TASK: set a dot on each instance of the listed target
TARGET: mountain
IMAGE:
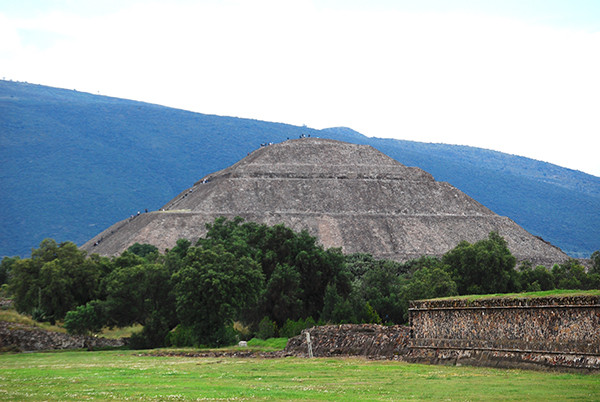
(347, 195)
(73, 163)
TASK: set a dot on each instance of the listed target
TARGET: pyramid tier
(349, 196)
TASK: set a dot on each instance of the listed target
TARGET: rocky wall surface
(369, 340)
(21, 338)
(347, 195)
(504, 359)
(548, 331)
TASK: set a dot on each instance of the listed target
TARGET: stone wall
(542, 333)
(558, 332)
(20, 338)
(368, 340)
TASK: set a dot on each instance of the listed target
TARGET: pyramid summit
(349, 196)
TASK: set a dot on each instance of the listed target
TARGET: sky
(516, 76)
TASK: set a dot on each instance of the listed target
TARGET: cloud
(10, 38)
(458, 78)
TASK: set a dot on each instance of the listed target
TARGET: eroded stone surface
(349, 196)
(367, 340)
(19, 337)
(555, 332)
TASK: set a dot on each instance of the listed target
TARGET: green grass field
(543, 293)
(129, 375)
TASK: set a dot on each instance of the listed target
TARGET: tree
(57, 278)
(536, 279)
(5, 267)
(381, 288)
(211, 290)
(486, 266)
(24, 285)
(84, 275)
(570, 275)
(140, 293)
(429, 283)
(266, 328)
(46, 252)
(146, 251)
(276, 247)
(337, 309)
(595, 268)
(135, 293)
(56, 296)
(283, 298)
(173, 258)
(90, 317)
(319, 268)
(359, 264)
(25, 282)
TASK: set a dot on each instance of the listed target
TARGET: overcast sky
(517, 76)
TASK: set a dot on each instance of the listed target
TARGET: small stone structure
(368, 340)
(551, 332)
(543, 333)
(22, 338)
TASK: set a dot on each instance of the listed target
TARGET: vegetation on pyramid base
(269, 280)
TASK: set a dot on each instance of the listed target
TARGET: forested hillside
(74, 163)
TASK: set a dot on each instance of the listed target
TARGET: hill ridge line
(110, 157)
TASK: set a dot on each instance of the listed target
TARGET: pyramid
(347, 195)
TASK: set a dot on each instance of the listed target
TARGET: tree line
(244, 279)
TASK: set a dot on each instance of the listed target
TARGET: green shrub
(85, 319)
(226, 336)
(39, 314)
(292, 328)
(371, 316)
(266, 328)
(181, 336)
(4, 290)
(153, 335)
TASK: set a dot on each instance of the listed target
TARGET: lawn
(543, 293)
(103, 375)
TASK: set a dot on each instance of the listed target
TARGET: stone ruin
(557, 333)
(349, 196)
(15, 337)
(367, 340)
(543, 333)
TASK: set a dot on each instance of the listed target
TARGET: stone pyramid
(349, 196)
